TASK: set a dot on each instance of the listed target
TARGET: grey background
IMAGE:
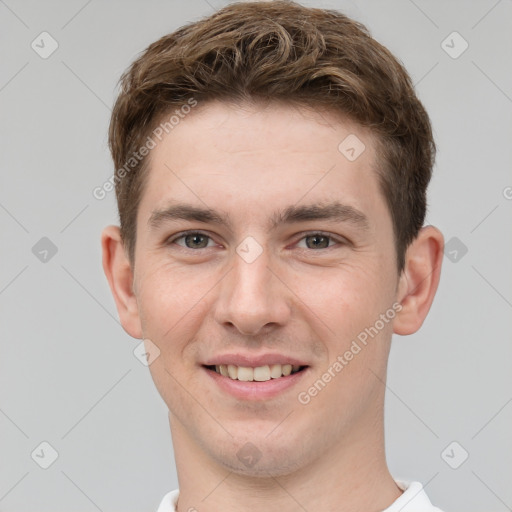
(68, 375)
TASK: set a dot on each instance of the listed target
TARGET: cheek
(173, 289)
(171, 309)
(345, 298)
(173, 304)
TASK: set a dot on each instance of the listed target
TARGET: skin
(295, 298)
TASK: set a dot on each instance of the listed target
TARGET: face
(261, 245)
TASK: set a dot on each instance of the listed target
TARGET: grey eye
(317, 241)
(193, 241)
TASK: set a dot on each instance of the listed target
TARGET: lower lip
(255, 390)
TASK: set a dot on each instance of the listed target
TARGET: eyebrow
(333, 211)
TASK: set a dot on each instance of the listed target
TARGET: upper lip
(253, 360)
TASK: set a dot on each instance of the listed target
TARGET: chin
(258, 456)
(266, 467)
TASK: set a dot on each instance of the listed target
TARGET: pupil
(194, 239)
(316, 242)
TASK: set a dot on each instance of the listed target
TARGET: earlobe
(119, 274)
(419, 280)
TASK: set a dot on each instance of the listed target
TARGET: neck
(350, 476)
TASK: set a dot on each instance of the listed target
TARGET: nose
(252, 298)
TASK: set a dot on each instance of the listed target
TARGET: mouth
(255, 374)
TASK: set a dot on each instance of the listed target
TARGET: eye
(199, 240)
(318, 241)
(192, 240)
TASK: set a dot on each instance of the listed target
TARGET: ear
(419, 280)
(117, 268)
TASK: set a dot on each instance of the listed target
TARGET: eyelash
(183, 234)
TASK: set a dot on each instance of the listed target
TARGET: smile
(256, 374)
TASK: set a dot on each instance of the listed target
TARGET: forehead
(224, 155)
(271, 128)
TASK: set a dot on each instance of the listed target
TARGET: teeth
(261, 373)
(258, 374)
(276, 371)
(245, 374)
(232, 371)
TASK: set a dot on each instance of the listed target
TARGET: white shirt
(414, 499)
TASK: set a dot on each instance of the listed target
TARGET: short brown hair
(279, 51)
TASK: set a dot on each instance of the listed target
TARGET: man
(271, 164)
